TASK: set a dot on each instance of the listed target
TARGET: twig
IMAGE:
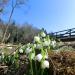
(8, 22)
(3, 66)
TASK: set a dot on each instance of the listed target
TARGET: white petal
(46, 43)
(21, 50)
(45, 64)
(43, 34)
(39, 57)
(38, 46)
(33, 56)
(28, 50)
(37, 39)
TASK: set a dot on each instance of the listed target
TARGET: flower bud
(43, 34)
(45, 64)
(38, 46)
(46, 43)
(20, 50)
(28, 50)
(38, 57)
(33, 56)
(36, 39)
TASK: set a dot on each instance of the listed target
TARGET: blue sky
(52, 15)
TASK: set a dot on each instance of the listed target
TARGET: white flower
(45, 64)
(28, 50)
(38, 46)
(36, 39)
(21, 50)
(46, 43)
(33, 56)
(53, 43)
(28, 44)
(38, 57)
(43, 34)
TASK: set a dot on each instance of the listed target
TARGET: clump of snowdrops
(10, 59)
(37, 53)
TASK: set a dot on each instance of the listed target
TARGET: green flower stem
(36, 72)
(36, 68)
(42, 71)
(42, 52)
(31, 67)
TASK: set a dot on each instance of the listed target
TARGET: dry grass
(64, 62)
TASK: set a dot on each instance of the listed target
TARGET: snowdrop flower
(43, 34)
(28, 44)
(38, 57)
(53, 43)
(28, 50)
(33, 56)
(36, 39)
(45, 64)
(38, 46)
(46, 43)
(21, 50)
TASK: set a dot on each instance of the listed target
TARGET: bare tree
(15, 3)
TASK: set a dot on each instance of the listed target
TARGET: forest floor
(62, 62)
